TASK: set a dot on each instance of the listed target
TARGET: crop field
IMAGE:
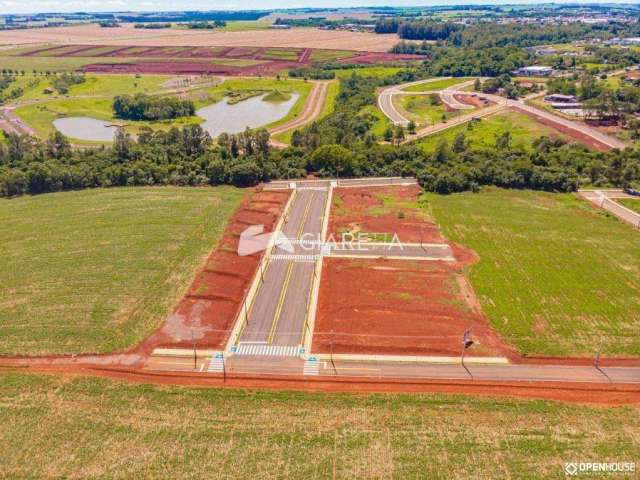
(57, 426)
(98, 270)
(128, 35)
(631, 203)
(321, 56)
(523, 129)
(555, 275)
(230, 60)
(55, 64)
(435, 85)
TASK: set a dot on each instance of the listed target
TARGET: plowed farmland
(228, 60)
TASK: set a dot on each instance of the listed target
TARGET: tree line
(146, 107)
(343, 143)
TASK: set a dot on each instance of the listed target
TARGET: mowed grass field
(523, 130)
(555, 275)
(422, 110)
(59, 427)
(98, 270)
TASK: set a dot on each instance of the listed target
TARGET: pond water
(218, 118)
(253, 112)
(86, 128)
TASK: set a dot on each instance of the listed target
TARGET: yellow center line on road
(252, 303)
(285, 286)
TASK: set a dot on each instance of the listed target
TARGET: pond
(218, 118)
(86, 128)
(253, 112)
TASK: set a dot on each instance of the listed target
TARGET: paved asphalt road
(385, 102)
(433, 371)
(606, 199)
(278, 314)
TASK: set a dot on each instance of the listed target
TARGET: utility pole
(195, 354)
(466, 343)
(596, 360)
(335, 370)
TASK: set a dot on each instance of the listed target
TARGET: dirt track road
(10, 123)
(311, 111)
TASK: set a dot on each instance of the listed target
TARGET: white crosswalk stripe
(266, 350)
(311, 367)
(216, 364)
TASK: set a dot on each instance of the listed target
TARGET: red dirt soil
(351, 207)
(399, 307)
(211, 304)
(472, 100)
(587, 394)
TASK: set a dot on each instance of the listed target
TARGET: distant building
(535, 71)
(559, 98)
(280, 26)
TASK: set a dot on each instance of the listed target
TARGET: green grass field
(98, 270)
(243, 26)
(435, 85)
(523, 129)
(421, 110)
(94, 99)
(631, 203)
(280, 54)
(381, 121)
(80, 427)
(321, 56)
(367, 72)
(555, 275)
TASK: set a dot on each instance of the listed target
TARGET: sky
(36, 6)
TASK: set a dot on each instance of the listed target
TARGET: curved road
(385, 102)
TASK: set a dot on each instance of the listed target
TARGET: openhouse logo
(599, 468)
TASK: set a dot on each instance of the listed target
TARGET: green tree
(332, 160)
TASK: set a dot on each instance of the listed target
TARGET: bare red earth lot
(397, 307)
(352, 207)
(209, 308)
